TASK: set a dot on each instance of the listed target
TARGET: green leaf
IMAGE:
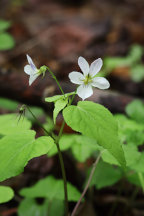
(95, 121)
(135, 53)
(59, 105)
(139, 165)
(136, 178)
(8, 104)
(132, 155)
(137, 73)
(6, 41)
(58, 97)
(82, 147)
(135, 110)
(6, 194)
(63, 146)
(17, 149)
(50, 188)
(105, 175)
(29, 207)
(42, 146)
(4, 25)
(114, 62)
(9, 124)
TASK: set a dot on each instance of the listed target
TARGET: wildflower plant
(97, 131)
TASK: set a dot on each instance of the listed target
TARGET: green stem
(54, 77)
(60, 158)
(37, 120)
(64, 179)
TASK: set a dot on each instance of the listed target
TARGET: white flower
(31, 70)
(88, 78)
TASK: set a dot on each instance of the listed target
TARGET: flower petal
(76, 77)
(28, 70)
(84, 91)
(32, 78)
(100, 82)
(30, 61)
(84, 66)
(95, 67)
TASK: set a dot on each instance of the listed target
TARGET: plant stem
(54, 77)
(37, 120)
(60, 158)
(64, 179)
(87, 185)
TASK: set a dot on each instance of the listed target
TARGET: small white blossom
(88, 78)
(31, 70)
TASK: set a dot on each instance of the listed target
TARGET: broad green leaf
(139, 165)
(41, 146)
(95, 121)
(58, 97)
(137, 73)
(29, 207)
(82, 147)
(135, 53)
(105, 175)
(18, 148)
(8, 104)
(136, 178)
(50, 188)
(135, 110)
(6, 41)
(63, 147)
(59, 105)
(4, 25)
(6, 194)
(9, 124)
(114, 62)
(15, 150)
(132, 155)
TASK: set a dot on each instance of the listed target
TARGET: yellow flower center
(87, 80)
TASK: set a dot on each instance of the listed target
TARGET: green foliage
(41, 146)
(4, 25)
(50, 188)
(60, 101)
(133, 60)
(49, 125)
(18, 145)
(95, 121)
(6, 194)
(58, 97)
(6, 41)
(130, 131)
(37, 111)
(8, 104)
(105, 175)
(29, 207)
(135, 110)
(9, 124)
(132, 155)
(137, 73)
(17, 149)
(82, 147)
(59, 105)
